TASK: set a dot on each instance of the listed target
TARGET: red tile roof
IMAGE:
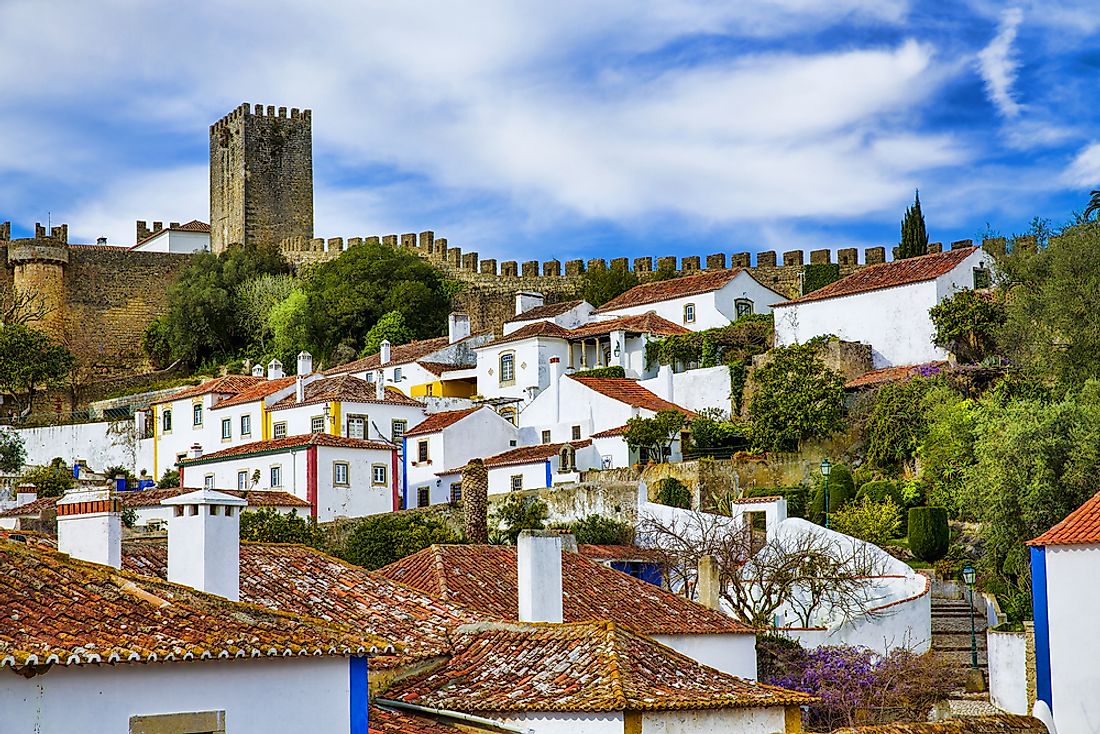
(300, 580)
(586, 667)
(227, 385)
(439, 421)
(438, 368)
(890, 374)
(345, 388)
(153, 497)
(382, 720)
(547, 311)
(1080, 527)
(483, 578)
(400, 354)
(545, 329)
(289, 442)
(664, 290)
(611, 432)
(524, 455)
(630, 392)
(68, 612)
(258, 391)
(620, 553)
(646, 323)
(889, 275)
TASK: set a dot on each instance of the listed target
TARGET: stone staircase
(951, 632)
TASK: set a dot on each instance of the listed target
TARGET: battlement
(249, 110)
(143, 231)
(58, 234)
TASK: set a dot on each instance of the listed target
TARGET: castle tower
(38, 265)
(261, 176)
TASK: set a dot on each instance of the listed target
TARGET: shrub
(841, 492)
(379, 540)
(52, 480)
(599, 530)
(270, 526)
(897, 424)
(797, 398)
(870, 520)
(170, 479)
(674, 493)
(514, 515)
(904, 494)
(796, 497)
(928, 533)
(613, 371)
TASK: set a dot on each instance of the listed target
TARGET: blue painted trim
(359, 693)
(549, 475)
(404, 473)
(1042, 625)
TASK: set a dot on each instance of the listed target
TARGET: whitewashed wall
(706, 387)
(1074, 646)
(101, 444)
(1007, 655)
(720, 721)
(711, 309)
(731, 653)
(362, 497)
(565, 723)
(258, 696)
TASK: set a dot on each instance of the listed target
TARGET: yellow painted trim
(792, 720)
(337, 422)
(156, 440)
(265, 422)
(632, 722)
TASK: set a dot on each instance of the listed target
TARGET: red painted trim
(393, 478)
(181, 478)
(311, 480)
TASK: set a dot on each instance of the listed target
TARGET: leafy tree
(13, 452)
(870, 520)
(256, 297)
(712, 429)
(391, 327)
(797, 398)
(52, 480)
(348, 295)
(1093, 208)
(156, 343)
(600, 285)
(514, 515)
(29, 362)
(967, 324)
(896, 424)
(267, 525)
(914, 236)
(288, 322)
(673, 493)
(655, 434)
(946, 451)
(170, 479)
(599, 530)
(379, 540)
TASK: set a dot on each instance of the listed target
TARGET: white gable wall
(712, 309)
(571, 319)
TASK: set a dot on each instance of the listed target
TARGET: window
(982, 278)
(742, 307)
(429, 390)
(689, 313)
(208, 481)
(317, 424)
(507, 368)
(422, 450)
(576, 433)
(196, 414)
(423, 497)
(370, 377)
(567, 459)
(357, 426)
(517, 482)
(456, 493)
(508, 414)
(397, 374)
(227, 428)
(397, 430)
(246, 425)
(379, 473)
(166, 421)
(276, 476)
(340, 473)
(546, 436)
(242, 479)
(279, 430)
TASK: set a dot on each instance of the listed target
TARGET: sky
(531, 130)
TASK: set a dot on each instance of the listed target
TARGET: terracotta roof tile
(545, 329)
(1080, 527)
(382, 720)
(630, 392)
(301, 580)
(483, 578)
(153, 497)
(611, 432)
(547, 311)
(439, 421)
(259, 391)
(891, 374)
(438, 368)
(289, 442)
(996, 724)
(646, 323)
(68, 612)
(30, 509)
(584, 667)
(524, 455)
(345, 388)
(227, 385)
(889, 275)
(400, 354)
(664, 290)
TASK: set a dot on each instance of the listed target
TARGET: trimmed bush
(879, 490)
(674, 493)
(841, 492)
(928, 533)
(796, 497)
(866, 519)
(613, 371)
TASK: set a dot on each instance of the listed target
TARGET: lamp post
(969, 577)
(826, 467)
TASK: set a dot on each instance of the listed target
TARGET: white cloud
(1084, 170)
(998, 65)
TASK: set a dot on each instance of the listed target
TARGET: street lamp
(969, 577)
(826, 467)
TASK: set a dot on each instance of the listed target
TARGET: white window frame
(379, 470)
(395, 434)
(689, 313)
(545, 437)
(166, 421)
(246, 424)
(362, 420)
(278, 430)
(313, 428)
(510, 355)
(208, 481)
(227, 429)
(275, 475)
(242, 479)
(337, 466)
(196, 414)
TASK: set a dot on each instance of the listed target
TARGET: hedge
(879, 489)
(841, 492)
(614, 371)
(928, 533)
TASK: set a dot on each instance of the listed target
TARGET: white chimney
(380, 385)
(257, 370)
(665, 383)
(384, 352)
(305, 363)
(300, 386)
(539, 571)
(25, 494)
(89, 526)
(555, 386)
(204, 542)
(458, 327)
(196, 450)
(708, 585)
(274, 369)
(526, 300)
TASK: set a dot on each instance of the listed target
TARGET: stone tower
(38, 264)
(261, 176)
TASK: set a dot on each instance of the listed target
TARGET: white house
(885, 305)
(446, 441)
(1065, 562)
(338, 476)
(530, 307)
(194, 236)
(534, 467)
(704, 301)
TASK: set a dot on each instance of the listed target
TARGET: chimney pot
(257, 370)
(196, 450)
(526, 300)
(384, 352)
(380, 385)
(458, 327)
(305, 363)
(708, 583)
(300, 388)
(274, 370)
(538, 556)
(89, 526)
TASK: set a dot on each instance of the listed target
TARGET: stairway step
(956, 625)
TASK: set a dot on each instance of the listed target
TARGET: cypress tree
(914, 237)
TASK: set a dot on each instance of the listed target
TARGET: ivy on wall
(819, 275)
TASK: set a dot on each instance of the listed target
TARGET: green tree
(256, 297)
(797, 398)
(379, 540)
(842, 490)
(929, 536)
(13, 452)
(1093, 208)
(599, 530)
(673, 493)
(866, 519)
(391, 327)
(348, 295)
(52, 480)
(896, 424)
(655, 434)
(914, 236)
(513, 515)
(288, 322)
(967, 324)
(30, 362)
(946, 451)
(170, 479)
(268, 525)
(600, 285)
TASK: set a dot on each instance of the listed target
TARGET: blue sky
(530, 130)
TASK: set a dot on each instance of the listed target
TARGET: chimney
(257, 370)
(384, 352)
(89, 526)
(305, 363)
(300, 387)
(274, 370)
(708, 583)
(458, 327)
(555, 386)
(664, 385)
(204, 542)
(101, 240)
(25, 493)
(380, 385)
(538, 558)
(196, 451)
(526, 300)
